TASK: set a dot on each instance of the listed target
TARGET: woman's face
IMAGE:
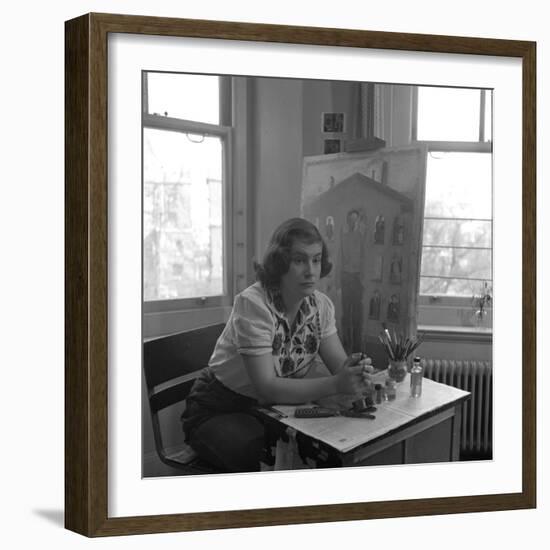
(304, 271)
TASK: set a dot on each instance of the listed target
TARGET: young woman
(276, 329)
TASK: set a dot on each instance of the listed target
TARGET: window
(185, 179)
(456, 247)
(457, 235)
(453, 115)
(186, 97)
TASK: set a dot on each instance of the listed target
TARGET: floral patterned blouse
(258, 325)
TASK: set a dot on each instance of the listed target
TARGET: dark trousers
(223, 426)
(352, 311)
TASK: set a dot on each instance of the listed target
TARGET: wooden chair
(171, 365)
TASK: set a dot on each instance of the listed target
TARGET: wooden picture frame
(86, 279)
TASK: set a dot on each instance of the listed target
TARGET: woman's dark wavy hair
(276, 260)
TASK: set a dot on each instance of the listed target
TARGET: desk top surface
(345, 434)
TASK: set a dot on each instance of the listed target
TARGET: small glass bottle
(370, 397)
(379, 393)
(391, 389)
(417, 373)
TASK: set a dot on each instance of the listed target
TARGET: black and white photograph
(333, 123)
(270, 311)
(332, 146)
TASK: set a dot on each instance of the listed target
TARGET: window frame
(453, 302)
(223, 131)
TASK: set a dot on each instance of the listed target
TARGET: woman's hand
(368, 370)
(352, 377)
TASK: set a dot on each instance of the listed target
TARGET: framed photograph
(188, 143)
(334, 123)
(332, 146)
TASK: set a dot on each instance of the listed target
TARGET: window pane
(183, 216)
(449, 287)
(448, 114)
(476, 234)
(458, 185)
(456, 262)
(190, 97)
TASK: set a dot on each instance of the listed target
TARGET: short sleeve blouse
(258, 326)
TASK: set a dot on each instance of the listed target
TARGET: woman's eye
(302, 261)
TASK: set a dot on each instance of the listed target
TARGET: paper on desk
(434, 395)
(345, 433)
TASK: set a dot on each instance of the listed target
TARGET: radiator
(477, 414)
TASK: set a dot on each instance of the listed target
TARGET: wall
(397, 101)
(317, 98)
(276, 153)
(32, 430)
(280, 142)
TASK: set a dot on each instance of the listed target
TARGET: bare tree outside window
(182, 188)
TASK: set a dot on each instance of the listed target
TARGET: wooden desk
(405, 431)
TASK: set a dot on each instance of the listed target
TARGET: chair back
(171, 364)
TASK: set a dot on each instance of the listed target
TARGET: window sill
(436, 333)
(164, 323)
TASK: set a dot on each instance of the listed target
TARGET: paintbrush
(398, 347)
(387, 347)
